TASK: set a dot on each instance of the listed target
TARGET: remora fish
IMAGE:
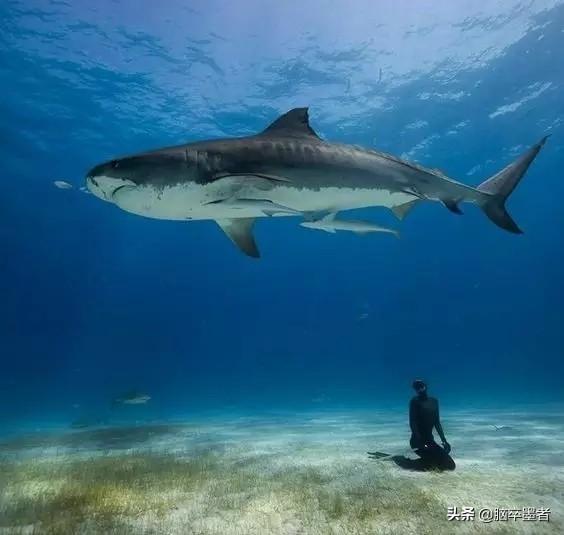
(290, 166)
(328, 223)
(267, 207)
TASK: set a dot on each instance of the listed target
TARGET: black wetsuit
(423, 416)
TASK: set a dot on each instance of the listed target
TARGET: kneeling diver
(423, 416)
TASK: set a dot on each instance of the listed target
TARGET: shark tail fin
(497, 189)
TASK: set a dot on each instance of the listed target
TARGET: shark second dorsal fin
(294, 123)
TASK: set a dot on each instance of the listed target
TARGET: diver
(423, 416)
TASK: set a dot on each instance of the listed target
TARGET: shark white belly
(192, 201)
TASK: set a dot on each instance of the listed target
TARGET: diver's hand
(446, 447)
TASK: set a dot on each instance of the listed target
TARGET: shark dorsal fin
(294, 123)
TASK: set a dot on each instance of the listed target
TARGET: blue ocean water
(95, 301)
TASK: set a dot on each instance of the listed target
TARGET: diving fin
(378, 455)
(240, 232)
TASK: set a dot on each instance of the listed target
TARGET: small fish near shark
(288, 170)
(61, 184)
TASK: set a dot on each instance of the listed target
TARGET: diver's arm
(438, 425)
(413, 422)
(440, 431)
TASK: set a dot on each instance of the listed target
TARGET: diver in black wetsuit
(423, 416)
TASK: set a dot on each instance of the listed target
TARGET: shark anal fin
(240, 232)
(453, 206)
(401, 210)
(294, 123)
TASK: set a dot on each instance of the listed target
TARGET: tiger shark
(287, 170)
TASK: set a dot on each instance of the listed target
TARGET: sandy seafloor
(290, 473)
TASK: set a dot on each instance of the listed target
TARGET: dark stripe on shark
(257, 156)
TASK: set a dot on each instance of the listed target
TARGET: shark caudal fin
(498, 188)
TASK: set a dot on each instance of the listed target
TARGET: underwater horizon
(100, 307)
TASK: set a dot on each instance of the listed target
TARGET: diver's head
(420, 387)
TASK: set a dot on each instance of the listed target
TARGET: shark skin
(286, 170)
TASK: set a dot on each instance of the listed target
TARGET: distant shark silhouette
(288, 170)
(132, 398)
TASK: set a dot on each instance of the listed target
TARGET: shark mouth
(105, 187)
(119, 188)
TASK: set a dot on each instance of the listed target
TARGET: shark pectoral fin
(452, 205)
(401, 210)
(240, 232)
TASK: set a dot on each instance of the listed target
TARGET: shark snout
(103, 180)
(105, 187)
